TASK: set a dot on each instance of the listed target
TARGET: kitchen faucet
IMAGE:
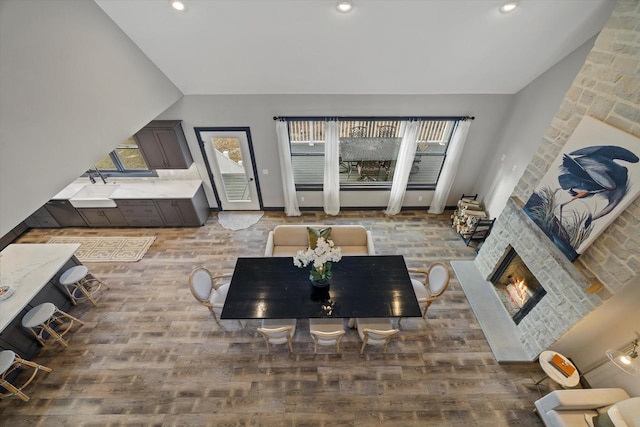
(100, 174)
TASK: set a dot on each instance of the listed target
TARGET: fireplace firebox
(517, 287)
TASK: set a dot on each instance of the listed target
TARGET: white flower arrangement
(320, 258)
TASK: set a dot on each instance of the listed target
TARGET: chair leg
(13, 391)
(364, 344)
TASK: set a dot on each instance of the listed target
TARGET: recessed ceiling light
(177, 4)
(344, 6)
(509, 6)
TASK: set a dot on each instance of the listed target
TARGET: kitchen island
(32, 271)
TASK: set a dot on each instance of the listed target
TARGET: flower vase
(321, 282)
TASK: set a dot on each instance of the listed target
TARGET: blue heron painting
(587, 186)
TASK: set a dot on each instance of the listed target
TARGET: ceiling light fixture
(178, 5)
(344, 6)
(509, 6)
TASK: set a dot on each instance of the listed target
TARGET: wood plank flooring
(149, 354)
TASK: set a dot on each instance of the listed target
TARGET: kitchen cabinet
(163, 145)
(65, 214)
(42, 218)
(12, 235)
(105, 217)
(13, 336)
(140, 213)
(185, 212)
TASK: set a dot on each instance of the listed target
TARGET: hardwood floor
(149, 354)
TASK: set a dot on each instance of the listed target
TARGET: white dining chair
(209, 290)
(435, 281)
(376, 331)
(326, 332)
(278, 331)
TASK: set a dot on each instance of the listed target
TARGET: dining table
(361, 286)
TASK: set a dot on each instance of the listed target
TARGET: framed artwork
(593, 179)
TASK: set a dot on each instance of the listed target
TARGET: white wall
(257, 112)
(522, 129)
(613, 325)
(73, 87)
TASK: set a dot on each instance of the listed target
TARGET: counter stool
(79, 285)
(9, 362)
(38, 320)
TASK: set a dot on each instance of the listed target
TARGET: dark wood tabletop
(361, 286)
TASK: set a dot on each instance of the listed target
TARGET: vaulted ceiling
(381, 47)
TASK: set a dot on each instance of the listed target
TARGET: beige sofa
(569, 407)
(287, 240)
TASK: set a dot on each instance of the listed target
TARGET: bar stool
(38, 320)
(79, 286)
(9, 362)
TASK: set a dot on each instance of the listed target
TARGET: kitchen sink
(95, 196)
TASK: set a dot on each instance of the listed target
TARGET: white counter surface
(144, 189)
(160, 189)
(69, 191)
(27, 268)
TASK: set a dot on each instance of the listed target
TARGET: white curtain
(286, 170)
(331, 184)
(406, 154)
(450, 167)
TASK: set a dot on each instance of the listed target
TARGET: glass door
(228, 154)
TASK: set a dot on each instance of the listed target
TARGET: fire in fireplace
(517, 287)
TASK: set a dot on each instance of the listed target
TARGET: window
(368, 152)
(126, 159)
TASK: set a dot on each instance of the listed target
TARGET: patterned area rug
(234, 220)
(108, 249)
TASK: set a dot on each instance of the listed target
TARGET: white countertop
(147, 189)
(161, 189)
(69, 191)
(27, 268)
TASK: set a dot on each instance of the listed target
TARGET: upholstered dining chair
(376, 331)
(434, 283)
(326, 331)
(278, 331)
(209, 290)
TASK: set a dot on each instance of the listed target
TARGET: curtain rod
(372, 118)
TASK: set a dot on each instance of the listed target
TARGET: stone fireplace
(565, 301)
(517, 287)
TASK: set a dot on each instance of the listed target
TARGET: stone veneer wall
(606, 88)
(565, 302)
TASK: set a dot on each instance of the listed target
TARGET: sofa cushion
(349, 235)
(354, 250)
(566, 418)
(283, 251)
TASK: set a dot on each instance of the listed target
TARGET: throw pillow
(315, 233)
(602, 420)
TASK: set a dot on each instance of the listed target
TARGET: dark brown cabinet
(65, 214)
(140, 213)
(106, 217)
(12, 235)
(163, 145)
(42, 218)
(185, 212)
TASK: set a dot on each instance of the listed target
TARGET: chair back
(377, 337)
(278, 332)
(280, 335)
(438, 279)
(201, 285)
(326, 333)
